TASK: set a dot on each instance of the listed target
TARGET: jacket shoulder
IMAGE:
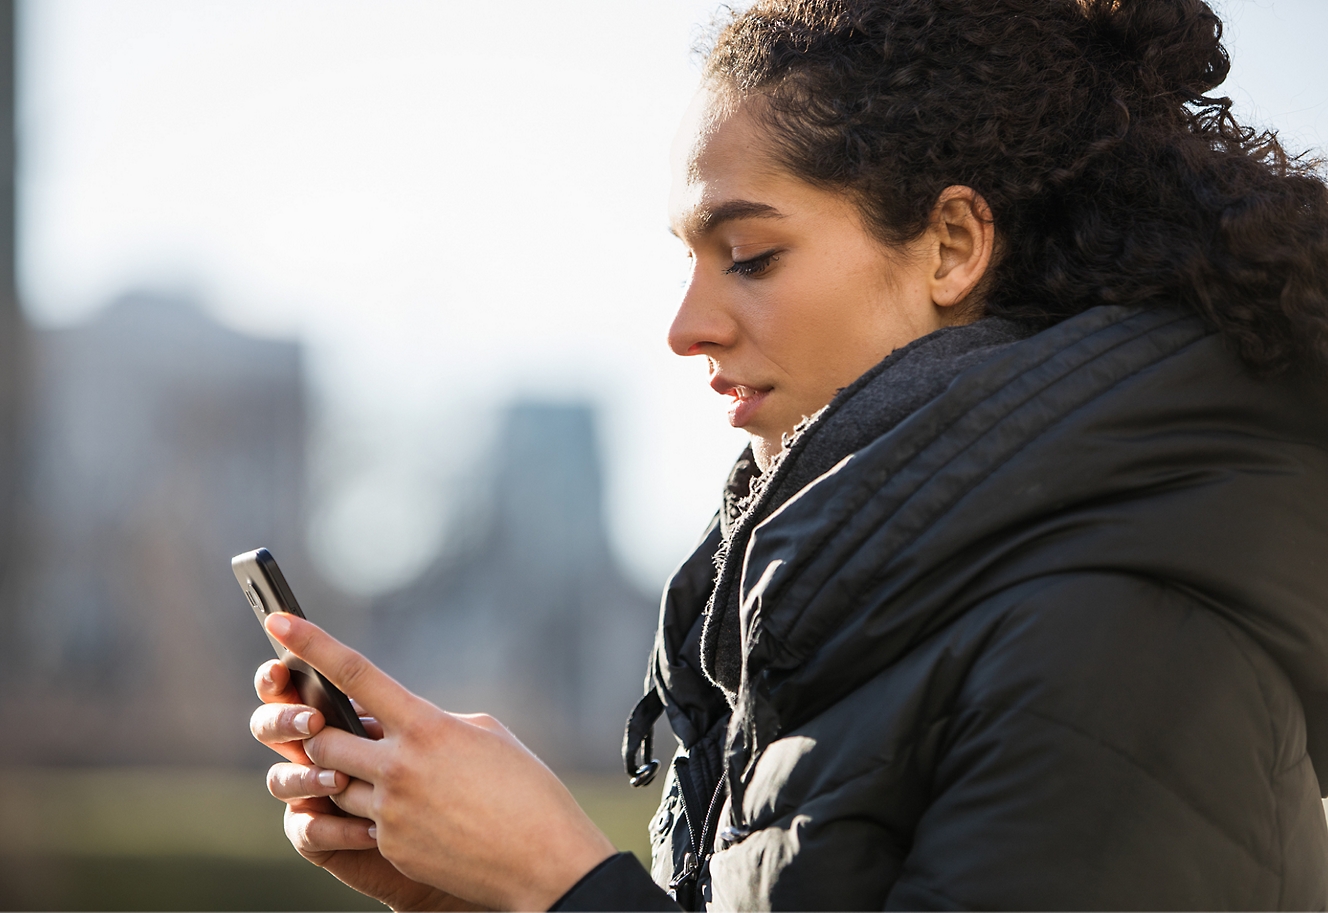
(1116, 743)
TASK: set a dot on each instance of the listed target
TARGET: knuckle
(394, 773)
(354, 670)
(265, 725)
(409, 735)
(480, 720)
(299, 637)
(297, 829)
(351, 832)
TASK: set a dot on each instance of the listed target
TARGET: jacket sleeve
(1117, 745)
(617, 883)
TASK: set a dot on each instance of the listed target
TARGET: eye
(753, 266)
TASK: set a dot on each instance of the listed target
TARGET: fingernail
(267, 676)
(301, 721)
(278, 623)
(373, 832)
(327, 778)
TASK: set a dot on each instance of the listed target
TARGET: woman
(1015, 600)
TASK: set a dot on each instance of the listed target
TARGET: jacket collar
(864, 411)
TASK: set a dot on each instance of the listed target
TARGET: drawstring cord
(639, 740)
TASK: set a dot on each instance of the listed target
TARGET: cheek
(790, 316)
(816, 328)
(868, 307)
(794, 344)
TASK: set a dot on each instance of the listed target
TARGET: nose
(703, 321)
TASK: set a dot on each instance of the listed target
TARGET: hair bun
(1172, 47)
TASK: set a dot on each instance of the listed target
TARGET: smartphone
(267, 591)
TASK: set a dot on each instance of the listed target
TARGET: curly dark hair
(1113, 177)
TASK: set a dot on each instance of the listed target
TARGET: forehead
(712, 118)
(718, 157)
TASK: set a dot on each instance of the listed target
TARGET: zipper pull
(688, 871)
(683, 887)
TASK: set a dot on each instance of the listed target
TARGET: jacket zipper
(694, 863)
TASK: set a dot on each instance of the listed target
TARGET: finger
(318, 805)
(272, 682)
(293, 752)
(289, 782)
(356, 705)
(314, 832)
(273, 724)
(336, 749)
(372, 728)
(380, 695)
(356, 799)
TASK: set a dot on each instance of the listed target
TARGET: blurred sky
(450, 203)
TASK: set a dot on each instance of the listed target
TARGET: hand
(320, 831)
(457, 801)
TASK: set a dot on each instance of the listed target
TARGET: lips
(744, 399)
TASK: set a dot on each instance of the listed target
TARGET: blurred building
(13, 330)
(528, 616)
(156, 445)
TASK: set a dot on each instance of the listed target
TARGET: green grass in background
(190, 839)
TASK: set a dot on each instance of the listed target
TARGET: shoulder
(1119, 654)
(1119, 741)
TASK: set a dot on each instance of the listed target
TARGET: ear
(962, 237)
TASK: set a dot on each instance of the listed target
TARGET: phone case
(267, 591)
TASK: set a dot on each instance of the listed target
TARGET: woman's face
(790, 297)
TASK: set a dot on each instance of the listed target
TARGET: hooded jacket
(1058, 638)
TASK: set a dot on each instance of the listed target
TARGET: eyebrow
(705, 219)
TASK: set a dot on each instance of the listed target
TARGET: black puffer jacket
(1051, 641)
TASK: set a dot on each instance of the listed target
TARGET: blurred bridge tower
(529, 616)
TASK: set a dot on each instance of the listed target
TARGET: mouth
(744, 400)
